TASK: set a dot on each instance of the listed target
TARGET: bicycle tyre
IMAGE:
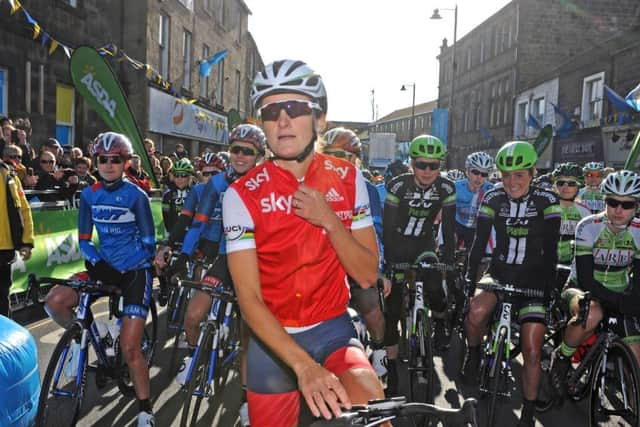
(617, 351)
(228, 346)
(494, 381)
(421, 353)
(148, 344)
(198, 380)
(45, 399)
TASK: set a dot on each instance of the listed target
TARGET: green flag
(633, 154)
(94, 79)
(234, 118)
(543, 140)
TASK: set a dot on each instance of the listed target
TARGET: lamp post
(436, 15)
(413, 109)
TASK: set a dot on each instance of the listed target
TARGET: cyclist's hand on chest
(322, 391)
(311, 205)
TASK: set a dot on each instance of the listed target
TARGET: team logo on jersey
(111, 214)
(342, 171)
(255, 182)
(233, 232)
(613, 257)
(275, 203)
(333, 196)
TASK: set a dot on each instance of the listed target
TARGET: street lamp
(436, 15)
(413, 109)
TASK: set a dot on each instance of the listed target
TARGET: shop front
(580, 147)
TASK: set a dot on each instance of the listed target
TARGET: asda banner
(94, 79)
(56, 251)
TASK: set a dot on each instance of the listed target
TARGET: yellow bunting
(36, 31)
(53, 46)
(15, 6)
(149, 71)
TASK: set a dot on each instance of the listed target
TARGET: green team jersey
(613, 253)
(569, 216)
(592, 199)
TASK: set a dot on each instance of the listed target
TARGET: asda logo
(100, 94)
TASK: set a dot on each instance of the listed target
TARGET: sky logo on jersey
(275, 203)
(342, 171)
(111, 214)
(255, 182)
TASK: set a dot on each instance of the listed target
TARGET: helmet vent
(294, 67)
(296, 82)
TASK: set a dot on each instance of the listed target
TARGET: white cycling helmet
(593, 167)
(455, 175)
(479, 160)
(621, 183)
(288, 76)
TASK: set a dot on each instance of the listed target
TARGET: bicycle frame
(502, 328)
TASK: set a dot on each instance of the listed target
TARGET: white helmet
(479, 160)
(286, 76)
(593, 166)
(455, 175)
(621, 183)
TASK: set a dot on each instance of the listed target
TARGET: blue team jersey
(376, 215)
(468, 203)
(122, 217)
(207, 221)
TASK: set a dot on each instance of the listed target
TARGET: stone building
(508, 53)
(172, 36)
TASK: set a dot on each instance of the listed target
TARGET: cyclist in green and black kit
(591, 196)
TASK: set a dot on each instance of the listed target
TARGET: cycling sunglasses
(615, 203)
(293, 107)
(247, 151)
(181, 175)
(209, 173)
(562, 182)
(337, 153)
(476, 172)
(15, 157)
(427, 165)
(593, 174)
(114, 160)
(47, 162)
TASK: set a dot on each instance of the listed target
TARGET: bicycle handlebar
(423, 265)
(218, 291)
(82, 285)
(377, 412)
(511, 290)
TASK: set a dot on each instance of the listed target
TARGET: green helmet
(183, 165)
(516, 155)
(426, 146)
(570, 170)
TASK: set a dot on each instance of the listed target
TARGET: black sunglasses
(15, 157)
(561, 182)
(427, 165)
(181, 175)
(209, 173)
(47, 162)
(294, 108)
(615, 203)
(247, 151)
(479, 173)
(114, 160)
(338, 153)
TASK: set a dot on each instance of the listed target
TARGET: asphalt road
(108, 407)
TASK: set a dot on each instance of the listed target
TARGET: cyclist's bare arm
(321, 389)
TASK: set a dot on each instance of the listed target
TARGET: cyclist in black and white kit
(412, 203)
(527, 223)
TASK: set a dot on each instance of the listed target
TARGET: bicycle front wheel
(421, 368)
(615, 388)
(64, 383)
(228, 352)
(198, 386)
(495, 374)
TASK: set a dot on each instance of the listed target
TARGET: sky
(362, 45)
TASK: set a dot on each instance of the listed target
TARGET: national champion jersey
(592, 199)
(123, 220)
(613, 253)
(172, 202)
(526, 236)
(468, 202)
(409, 215)
(569, 218)
(301, 277)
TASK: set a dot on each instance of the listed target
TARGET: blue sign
(440, 124)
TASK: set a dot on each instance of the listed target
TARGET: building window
(187, 3)
(492, 114)
(478, 115)
(468, 58)
(496, 40)
(4, 92)
(220, 83)
(238, 89)
(221, 8)
(206, 5)
(503, 38)
(592, 99)
(481, 50)
(521, 119)
(537, 109)
(510, 32)
(64, 114)
(72, 3)
(506, 86)
(204, 81)
(186, 60)
(239, 34)
(505, 112)
(163, 43)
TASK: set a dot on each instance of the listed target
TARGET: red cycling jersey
(301, 277)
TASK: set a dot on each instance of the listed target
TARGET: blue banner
(440, 124)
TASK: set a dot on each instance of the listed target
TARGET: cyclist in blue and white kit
(470, 193)
(121, 213)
